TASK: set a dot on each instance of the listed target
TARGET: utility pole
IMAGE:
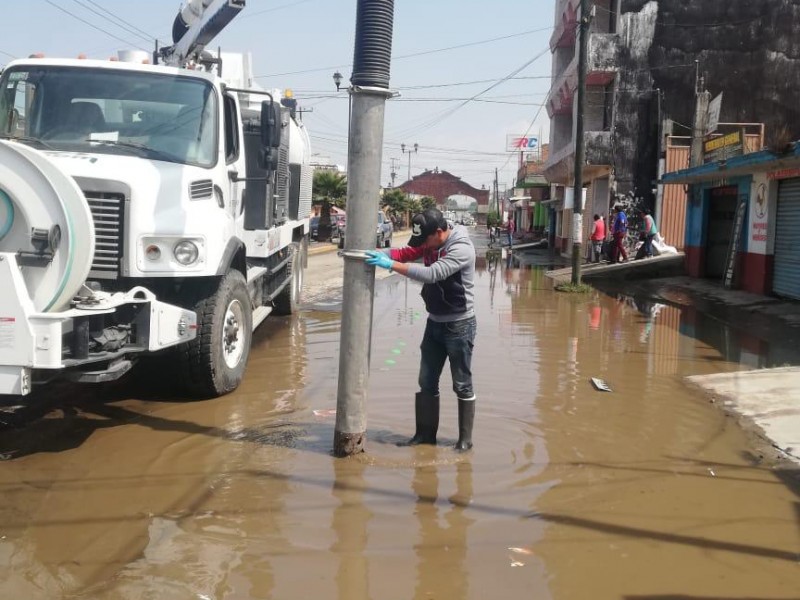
(702, 100)
(577, 214)
(369, 92)
(409, 152)
(496, 194)
(394, 169)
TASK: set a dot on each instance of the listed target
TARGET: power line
(8, 55)
(469, 44)
(421, 53)
(121, 23)
(273, 9)
(439, 118)
(74, 16)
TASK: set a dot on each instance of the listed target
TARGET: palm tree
(330, 188)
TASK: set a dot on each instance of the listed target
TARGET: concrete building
(645, 58)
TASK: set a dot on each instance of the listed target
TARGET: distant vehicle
(314, 227)
(384, 232)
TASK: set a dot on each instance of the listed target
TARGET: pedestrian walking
(620, 230)
(597, 237)
(511, 227)
(648, 231)
(447, 273)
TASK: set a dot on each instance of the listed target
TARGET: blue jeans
(443, 341)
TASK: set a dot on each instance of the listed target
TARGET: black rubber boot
(466, 418)
(426, 408)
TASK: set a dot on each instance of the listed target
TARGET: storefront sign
(521, 143)
(784, 174)
(759, 215)
(723, 147)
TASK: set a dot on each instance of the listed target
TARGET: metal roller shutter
(787, 240)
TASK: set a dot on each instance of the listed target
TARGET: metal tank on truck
(147, 208)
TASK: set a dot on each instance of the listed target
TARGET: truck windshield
(159, 116)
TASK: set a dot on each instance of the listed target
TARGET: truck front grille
(108, 211)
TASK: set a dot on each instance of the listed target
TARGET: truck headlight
(186, 252)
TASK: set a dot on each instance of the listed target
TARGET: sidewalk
(658, 266)
(769, 398)
(399, 238)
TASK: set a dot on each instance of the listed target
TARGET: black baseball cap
(424, 224)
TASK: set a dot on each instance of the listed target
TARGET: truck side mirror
(270, 124)
(268, 159)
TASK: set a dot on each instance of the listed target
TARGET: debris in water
(329, 412)
(712, 472)
(516, 563)
(600, 385)
(527, 551)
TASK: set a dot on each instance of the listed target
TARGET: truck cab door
(234, 157)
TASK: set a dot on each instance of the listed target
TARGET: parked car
(384, 232)
(313, 226)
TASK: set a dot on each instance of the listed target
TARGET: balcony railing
(597, 150)
(602, 61)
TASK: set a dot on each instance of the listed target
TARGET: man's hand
(379, 259)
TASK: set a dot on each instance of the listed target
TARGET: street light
(409, 152)
(337, 79)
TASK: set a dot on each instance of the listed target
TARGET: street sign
(714, 108)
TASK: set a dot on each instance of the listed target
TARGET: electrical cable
(133, 30)
(74, 16)
(421, 53)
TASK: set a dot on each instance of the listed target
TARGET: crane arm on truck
(197, 23)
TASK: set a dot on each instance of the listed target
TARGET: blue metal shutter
(787, 240)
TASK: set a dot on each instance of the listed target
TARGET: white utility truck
(146, 208)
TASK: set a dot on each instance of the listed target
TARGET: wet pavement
(648, 491)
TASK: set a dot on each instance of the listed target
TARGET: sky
(459, 50)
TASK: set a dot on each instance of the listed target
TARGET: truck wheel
(288, 301)
(213, 363)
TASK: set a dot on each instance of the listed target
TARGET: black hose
(373, 48)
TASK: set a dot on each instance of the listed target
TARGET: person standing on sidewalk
(511, 227)
(447, 274)
(649, 231)
(620, 230)
(597, 237)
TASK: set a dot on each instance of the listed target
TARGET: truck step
(259, 314)
(112, 373)
(254, 273)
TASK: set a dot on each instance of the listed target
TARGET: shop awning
(755, 162)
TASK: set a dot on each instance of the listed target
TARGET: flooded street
(649, 491)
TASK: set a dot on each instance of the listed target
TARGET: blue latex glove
(379, 259)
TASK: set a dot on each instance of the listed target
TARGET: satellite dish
(36, 194)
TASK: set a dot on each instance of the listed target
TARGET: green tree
(493, 218)
(396, 201)
(329, 189)
(427, 202)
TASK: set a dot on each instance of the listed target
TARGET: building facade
(441, 185)
(743, 221)
(646, 59)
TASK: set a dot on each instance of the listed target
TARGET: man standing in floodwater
(447, 273)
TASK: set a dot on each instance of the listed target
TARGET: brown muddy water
(646, 492)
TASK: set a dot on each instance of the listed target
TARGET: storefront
(786, 277)
(743, 220)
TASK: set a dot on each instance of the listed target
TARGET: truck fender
(234, 257)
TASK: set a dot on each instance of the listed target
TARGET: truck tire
(213, 363)
(288, 301)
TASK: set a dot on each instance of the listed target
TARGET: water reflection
(442, 547)
(350, 522)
